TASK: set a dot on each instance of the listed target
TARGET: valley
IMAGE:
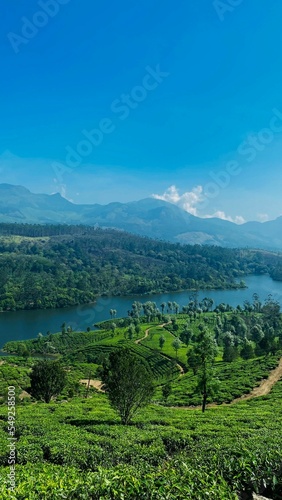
(197, 327)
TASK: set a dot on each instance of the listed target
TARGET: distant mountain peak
(148, 217)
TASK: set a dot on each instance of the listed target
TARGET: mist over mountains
(148, 217)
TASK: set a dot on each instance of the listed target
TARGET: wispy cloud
(238, 219)
(190, 200)
(263, 217)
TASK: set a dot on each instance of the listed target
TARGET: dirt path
(145, 336)
(265, 386)
(93, 383)
(181, 369)
(24, 394)
(262, 390)
(147, 332)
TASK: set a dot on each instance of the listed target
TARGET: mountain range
(148, 217)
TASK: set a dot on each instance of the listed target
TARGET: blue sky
(171, 91)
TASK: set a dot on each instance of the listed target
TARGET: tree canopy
(128, 382)
(47, 380)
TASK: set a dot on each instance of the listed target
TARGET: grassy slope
(83, 446)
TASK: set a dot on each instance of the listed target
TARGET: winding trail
(262, 389)
(145, 336)
(265, 386)
(181, 369)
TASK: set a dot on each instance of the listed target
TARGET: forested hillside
(56, 266)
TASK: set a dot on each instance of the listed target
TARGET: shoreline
(147, 294)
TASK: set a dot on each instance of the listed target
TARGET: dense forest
(48, 266)
(276, 272)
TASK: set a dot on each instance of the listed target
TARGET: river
(20, 325)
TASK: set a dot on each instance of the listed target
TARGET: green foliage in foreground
(79, 450)
(170, 481)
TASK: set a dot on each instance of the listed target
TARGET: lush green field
(79, 450)
(161, 367)
(152, 341)
(233, 380)
(76, 448)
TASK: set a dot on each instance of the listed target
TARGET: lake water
(22, 325)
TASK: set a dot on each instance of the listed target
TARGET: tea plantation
(76, 448)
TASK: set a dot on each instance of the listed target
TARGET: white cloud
(262, 217)
(238, 219)
(189, 202)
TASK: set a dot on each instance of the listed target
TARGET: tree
(47, 380)
(163, 306)
(113, 327)
(150, 310)
(175, 327)
(186, 335)
(269, 343)
(240, 326)
(271, 312)
(202, 357)
(208, 302)
(169, 306)
(194, 300)
(176, 344)
(257, 334)
(136, 309)
(256, 302)
(137, 329)
(247, 351)
(230, 351)
(131, 331)
(161, 341)
(193, 361)
(175, 307)
(22, 350)
(128, 382)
